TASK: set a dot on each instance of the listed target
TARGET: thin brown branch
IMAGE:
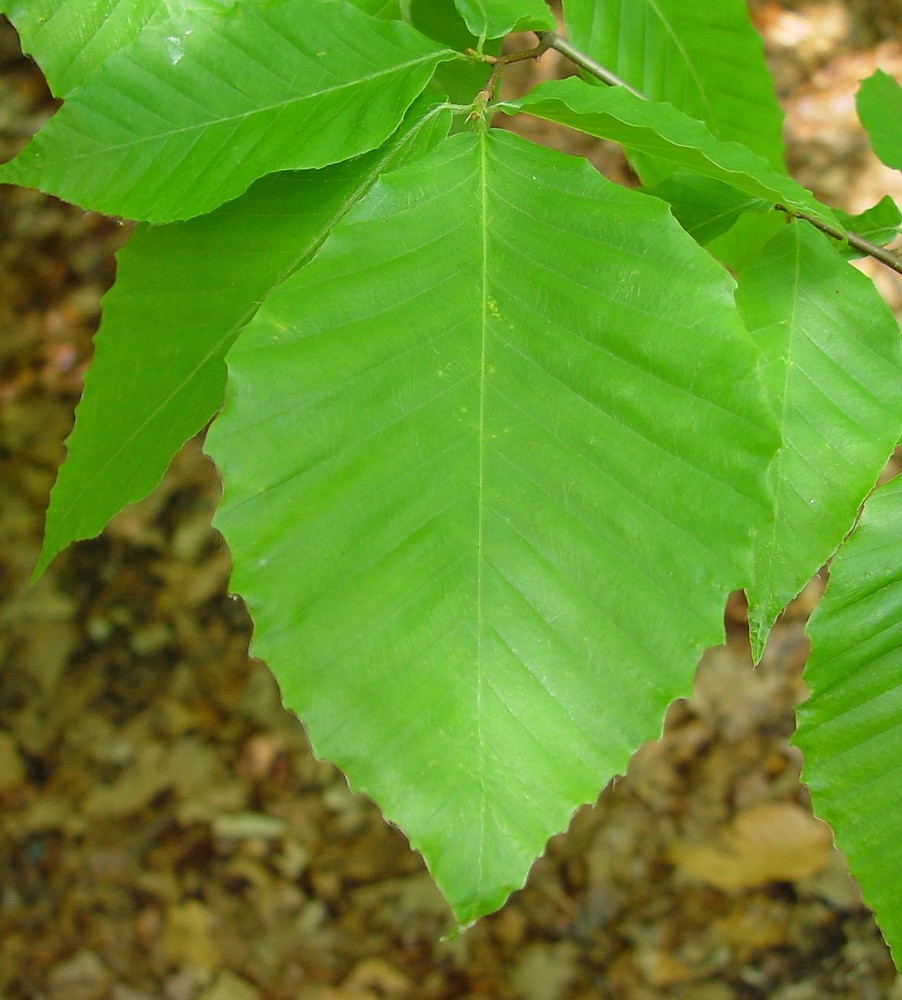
(884, 255)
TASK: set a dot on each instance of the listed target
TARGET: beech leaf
(505, 402)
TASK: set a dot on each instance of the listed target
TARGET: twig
(884, 255)
(487, 94)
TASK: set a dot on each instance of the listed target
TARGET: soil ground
(165, 833)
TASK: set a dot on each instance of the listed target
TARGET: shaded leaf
(705, 208)
(834, 383)
(850, 728)
(506, 401)
(187, 117)
(879, 103)
(183, 293)
(494, 18)
(669, 135)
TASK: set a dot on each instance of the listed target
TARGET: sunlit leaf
(193, 112)
(670, 136)
(708, 63)
(506, 403)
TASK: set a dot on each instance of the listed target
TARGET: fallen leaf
(769, 842)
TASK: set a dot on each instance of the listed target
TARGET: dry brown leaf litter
(165, 832)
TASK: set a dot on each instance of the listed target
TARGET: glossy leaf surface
(183, 293)
(849, 730)
(192, 113)
(506, 402)
(834, 383)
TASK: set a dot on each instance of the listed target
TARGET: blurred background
(165, 833)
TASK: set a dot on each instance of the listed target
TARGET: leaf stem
(487, 94)
(552, 40)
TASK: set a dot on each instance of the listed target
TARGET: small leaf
(187, 117)
(183, 293)
(879, 103)
(850, 728)
(506, 401)
(494, 18)
(667, 134)
(879, 224)
(834, 382)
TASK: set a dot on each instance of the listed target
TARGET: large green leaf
(703, 58)
(195, 110)
(850, 728)
(494, 18)
(669, 135)
(831, 363)
(184, 291)
(491, 464)
(879, 103)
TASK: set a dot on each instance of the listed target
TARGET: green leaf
(705, 208)
(849, 729)
(831, 359)
(391, 10)
(707, 63)
(183, 293)
(669, 135)
(879, 224)
(187, 117)
(494, 18)
(879, 103)
(505, 403)
(70, 40)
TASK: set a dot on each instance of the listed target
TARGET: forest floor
(165, 833)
